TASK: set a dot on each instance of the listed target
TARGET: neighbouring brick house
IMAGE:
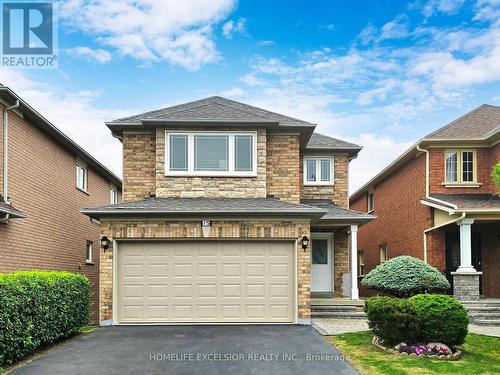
(452, 218)
(46, 179)
(221, 200)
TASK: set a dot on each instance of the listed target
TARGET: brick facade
(401, 218)
(151, 229)
(282, 166)
(486, 158)
(138, 165)
(42, 184)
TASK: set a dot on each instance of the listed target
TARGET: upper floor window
(211, 154)
(318, 171)
(460, 166)
(113, 195)
(81, 175)
(371, 202)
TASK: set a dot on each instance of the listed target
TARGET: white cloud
(73, 112)
(99, 55)
(449, 7)
(378, 152)
(179, 32)
(396, 29)
(234, 27)
(265, 42)
(233, 92)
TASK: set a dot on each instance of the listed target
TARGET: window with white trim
(460, 166)
(361, 263)
(88, 252)
(113, 195)
(318, 171)
(81, 175)
(371, 202)
(211, 154)
(382, 250)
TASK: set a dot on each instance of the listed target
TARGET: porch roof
(11, 211)
(338, 214)
(210, 207)
(473, 203)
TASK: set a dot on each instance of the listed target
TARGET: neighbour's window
(211, 153)
(361, 263)
(382, 249)
(318, 171)
(460, 166)
(88, 252)
(113, 195)
(371, 202)
(81, 175)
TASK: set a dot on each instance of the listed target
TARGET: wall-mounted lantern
(105, 242)
(305, 242)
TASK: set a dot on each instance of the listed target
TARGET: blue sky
(378, 73)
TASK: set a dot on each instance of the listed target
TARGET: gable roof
(46, 126)
(479, 124)
(321, 142)
(214, 108)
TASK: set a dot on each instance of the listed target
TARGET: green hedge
(38, 308)
(393, 319)
(442, 319)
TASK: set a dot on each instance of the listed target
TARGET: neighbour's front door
(321, 273)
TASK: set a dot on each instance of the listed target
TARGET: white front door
(321, 273)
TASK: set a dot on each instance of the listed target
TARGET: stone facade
(234, 229)
(466, 286)
(138, 165)
(339, 192)
(210, 187)
(283, 167)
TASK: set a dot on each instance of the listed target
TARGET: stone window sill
(472, 185)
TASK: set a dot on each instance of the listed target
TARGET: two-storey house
(439, 203)
(231, 214)
(46, 179)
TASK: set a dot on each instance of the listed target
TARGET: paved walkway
(482, 330)
(330, 327)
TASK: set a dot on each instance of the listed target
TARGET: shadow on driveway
(235, 349)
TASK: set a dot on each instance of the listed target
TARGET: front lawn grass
(480, 355)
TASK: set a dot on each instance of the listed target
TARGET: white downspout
(5, 179)
(427, 188)
(6, 150)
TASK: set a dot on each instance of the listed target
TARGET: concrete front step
(474, 316)
(487, 322)
(336, 307)
(475, 304)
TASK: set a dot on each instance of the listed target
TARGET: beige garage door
(206, 281)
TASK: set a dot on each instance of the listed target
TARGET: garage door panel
(206, 282)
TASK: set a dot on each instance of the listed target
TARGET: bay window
(318, 171)
(211, 154)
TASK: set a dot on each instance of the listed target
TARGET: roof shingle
(477, 124)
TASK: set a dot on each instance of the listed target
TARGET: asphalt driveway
(236, 349)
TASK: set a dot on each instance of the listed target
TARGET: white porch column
(465, 246)
(354, 262)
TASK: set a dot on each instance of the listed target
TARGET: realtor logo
(28, 35)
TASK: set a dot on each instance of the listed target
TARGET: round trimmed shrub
(442, 319)
(405, 276)
(394, 320)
